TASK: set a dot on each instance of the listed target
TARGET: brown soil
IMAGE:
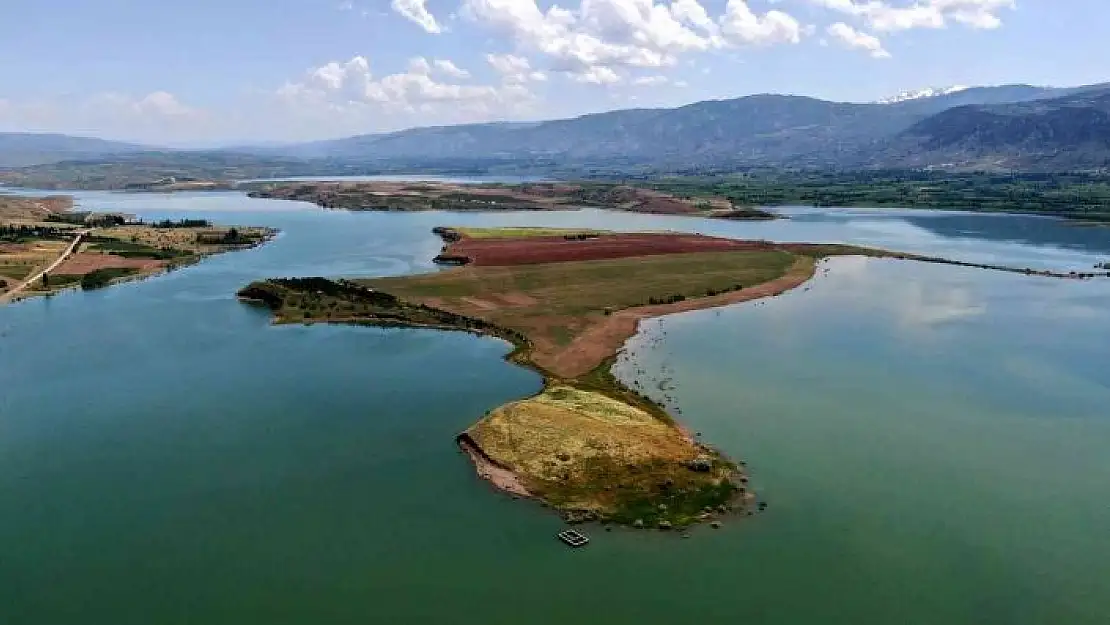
(83, 262)
(536, 250)
(501, 477)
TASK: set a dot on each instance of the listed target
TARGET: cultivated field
(539, 247)
(19, 260)
(556, 303)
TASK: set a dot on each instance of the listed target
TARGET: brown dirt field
(33, 208)
(83, 262)
(480, 303)
(536, 250)
(517, 299)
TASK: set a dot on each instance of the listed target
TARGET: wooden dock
(573, 538)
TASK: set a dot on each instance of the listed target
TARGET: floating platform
(573, 538)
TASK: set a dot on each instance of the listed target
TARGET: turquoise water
(933, 441)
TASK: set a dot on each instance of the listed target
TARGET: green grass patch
(17, 272)
(62, 279)
(103, 277)
(127, 249)
(525, 232)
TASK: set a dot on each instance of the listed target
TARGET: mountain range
(1012, 126)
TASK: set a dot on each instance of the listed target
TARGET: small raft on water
(573, 538)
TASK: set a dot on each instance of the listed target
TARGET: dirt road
(7, 297)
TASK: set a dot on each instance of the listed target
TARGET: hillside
(1069, 132)
(19, 149)
(760, 130)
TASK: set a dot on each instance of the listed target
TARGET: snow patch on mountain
(918, 94)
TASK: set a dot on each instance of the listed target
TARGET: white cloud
(415, 11)
(514, 69)
(600, 40)
(852, 38)
(597, 75)
(650, 81)
(157, 116)
(448, 68)
(415, 96)
(884, 17)
(741, 26)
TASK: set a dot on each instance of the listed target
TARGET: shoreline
(140, 275)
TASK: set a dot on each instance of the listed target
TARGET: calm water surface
(933, 442)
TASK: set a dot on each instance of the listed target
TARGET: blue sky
(208, 72)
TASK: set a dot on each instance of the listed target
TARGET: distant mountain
(1068, 132)
(1010, 126)
(760, 130)
(19, 149)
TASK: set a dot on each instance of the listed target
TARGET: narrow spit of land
(534, 196)
(568, 300)
(46, 248)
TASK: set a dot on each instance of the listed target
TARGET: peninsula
(534, 196)
(46, 248)
(567, 300)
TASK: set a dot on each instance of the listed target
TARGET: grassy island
(568, 299)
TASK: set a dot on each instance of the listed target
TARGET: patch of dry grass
(585, 451)
(175, 238)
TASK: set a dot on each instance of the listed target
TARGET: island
(533, 196)
(45, 247)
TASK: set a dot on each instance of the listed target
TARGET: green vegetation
(182, 223)
(1074, 196)
(60, 280)
(28, 233)
(16, 271)
(127, 249)
(101, 278)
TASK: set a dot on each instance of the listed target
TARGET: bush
(103, 277)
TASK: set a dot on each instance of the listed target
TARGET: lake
(933, 442)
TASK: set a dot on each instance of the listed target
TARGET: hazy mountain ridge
(19, 149)
(1011, 126)
(760, 130)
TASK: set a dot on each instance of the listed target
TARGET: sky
(228, 72)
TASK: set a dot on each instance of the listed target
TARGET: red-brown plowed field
(536, 250)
